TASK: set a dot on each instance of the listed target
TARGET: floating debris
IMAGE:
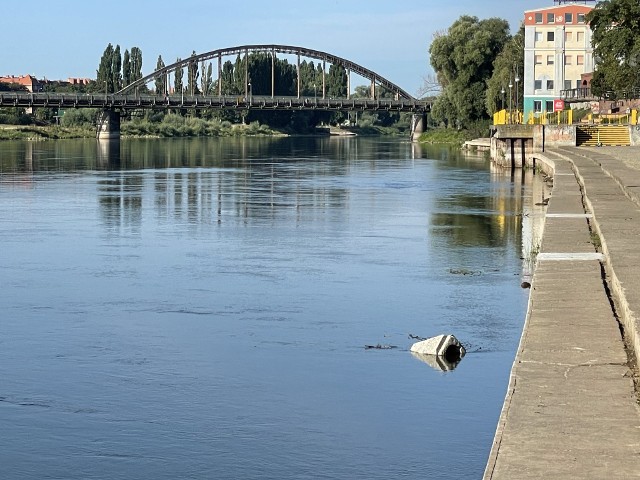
(416, 337)
(443, 352)
(379, 347)
(463, 271)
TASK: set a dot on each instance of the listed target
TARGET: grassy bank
(453, 136)
(443, 135)
(170, 125)
(31, 132)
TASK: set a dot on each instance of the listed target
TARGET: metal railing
(200, 102)
(565, 117)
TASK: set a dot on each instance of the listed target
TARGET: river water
(201, 308)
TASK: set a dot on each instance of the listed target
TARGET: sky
(66, 38)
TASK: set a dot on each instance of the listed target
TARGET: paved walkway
(571, 410)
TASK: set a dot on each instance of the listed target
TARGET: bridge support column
(418, 124)
(108, 124)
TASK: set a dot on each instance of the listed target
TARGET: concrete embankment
(571, 408)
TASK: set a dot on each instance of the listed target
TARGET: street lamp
(250, 93)
(517, 103)
(502, 99)
(510, 99)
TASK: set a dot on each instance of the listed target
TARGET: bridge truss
(375, 79)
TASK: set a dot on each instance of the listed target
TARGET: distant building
(557, 54)
(78, 81)
(30, 82)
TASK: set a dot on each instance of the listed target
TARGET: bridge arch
(325, 57)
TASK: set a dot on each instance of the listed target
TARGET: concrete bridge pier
(108, 125)
(418, 124)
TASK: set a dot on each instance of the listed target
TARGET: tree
(136, 64)
(116, 67)
(177, 82)
(616, 38)
(508, 64)
(126, 68)
(336, 81)
(192, 75)
(206, 78)
(463, 61)
(430, 86)
(161, 81)
(104, 76)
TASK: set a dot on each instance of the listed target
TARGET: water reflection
(437, 362)
(108, 154)
(215, 293)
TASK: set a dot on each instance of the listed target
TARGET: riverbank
(179, 129)
(571, 406)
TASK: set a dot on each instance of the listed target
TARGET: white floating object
(446, 346)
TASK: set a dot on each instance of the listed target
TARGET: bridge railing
(149, 101)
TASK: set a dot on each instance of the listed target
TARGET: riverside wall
(571, 405)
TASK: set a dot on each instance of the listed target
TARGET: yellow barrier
(504, 117)
(564, 117)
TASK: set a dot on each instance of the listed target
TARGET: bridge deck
(160, 102)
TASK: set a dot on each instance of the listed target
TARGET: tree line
(474, 62)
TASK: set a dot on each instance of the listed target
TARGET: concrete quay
(571, 409)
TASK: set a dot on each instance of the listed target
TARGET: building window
(567, 60)
(537, 84)
(537, 106)
(550, 37)
(537, 59)
(580, 60)
(549, 105)
(549, 84)
(578, 84)
(538, 18)
(567, 84)
(581, 18)
(568, 36)
(568, 18)
(580, 36)
(549, 59)
(538, 37)
(551, 17)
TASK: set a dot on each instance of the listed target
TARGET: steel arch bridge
(373, 77)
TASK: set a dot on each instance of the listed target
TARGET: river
(201, 308)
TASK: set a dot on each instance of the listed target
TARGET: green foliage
(126, 68)
(443, 135)
(136, 64)
(463, 61)
(116, 69)
(173, 125)
(616, 38)
(177, 80)
(79, 117)
(44, 133)
(192, 76)
(14, 116)
(104, 76)
(508, 64)
(161, 81)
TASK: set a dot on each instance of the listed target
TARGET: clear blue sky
(66, 38)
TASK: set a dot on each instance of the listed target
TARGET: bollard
(446, 346)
